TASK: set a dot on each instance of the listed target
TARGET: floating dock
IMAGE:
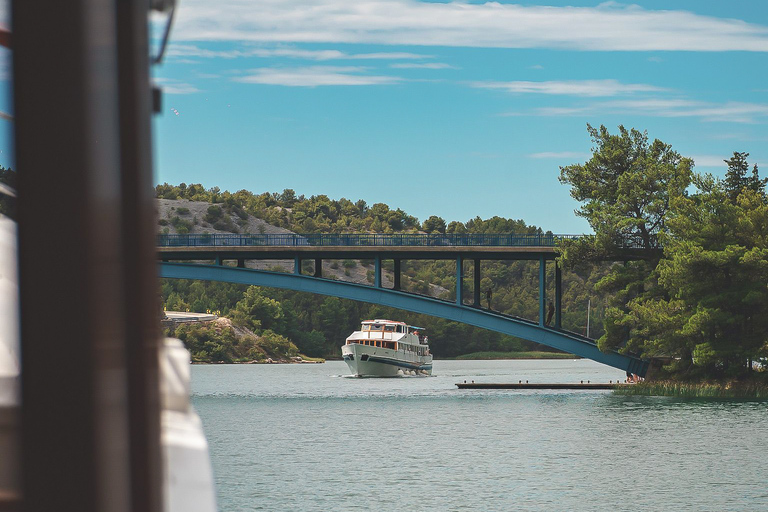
(525, 385)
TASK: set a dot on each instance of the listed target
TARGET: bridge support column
(318, 267)
(558, 296)
(459, 279)
(542, 290)
(377, 272)
(240, 263)
(477, 284)
(297, 265)
(397, 275)
(217, 261)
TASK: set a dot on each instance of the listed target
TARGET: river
(305, 438)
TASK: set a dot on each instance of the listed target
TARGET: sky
(451, 108)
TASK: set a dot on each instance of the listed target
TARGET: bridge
(217, 257)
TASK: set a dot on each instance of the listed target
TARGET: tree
(256, 311)
(736, 179)
(434, 224)
(626, 186)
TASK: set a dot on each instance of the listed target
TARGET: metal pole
(77, 365)
(542, 290)
(377, 272)
(459, 279)
(477, 284)
(558, 296)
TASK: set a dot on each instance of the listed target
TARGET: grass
(313, 359)
(516, 355)
(697, 390)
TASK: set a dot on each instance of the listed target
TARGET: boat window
(366, 327)
(376, 327)
(389, 328)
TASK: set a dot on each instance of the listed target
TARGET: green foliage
(256, 311)
(627, 185)
(703, 302)
(434, 224)
(213, 342)
(736, 178)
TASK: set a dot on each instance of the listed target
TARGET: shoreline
(475, 356)
(708, 389)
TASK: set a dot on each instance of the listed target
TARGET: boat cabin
(391, 334)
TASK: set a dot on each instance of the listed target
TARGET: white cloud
(185, 50)
(590, 88)
(608, 27)
(710, 161)
(729, 112)
(314, 76)
(422, 65)
(732, 111)
(560, 155)
(176, 87)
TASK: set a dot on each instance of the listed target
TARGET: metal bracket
(164, 6)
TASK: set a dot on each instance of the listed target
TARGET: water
(304, 438)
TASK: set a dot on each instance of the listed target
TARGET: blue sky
(458, 109)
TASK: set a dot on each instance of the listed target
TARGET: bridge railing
(363, 240)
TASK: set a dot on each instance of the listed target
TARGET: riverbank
(484, 356)
(730, 389)
(300, 359)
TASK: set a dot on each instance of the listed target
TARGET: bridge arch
(531, 331)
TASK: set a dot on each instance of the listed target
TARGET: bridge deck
(343, 252)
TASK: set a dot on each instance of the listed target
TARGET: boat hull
(367, 361)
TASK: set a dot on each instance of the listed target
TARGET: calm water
(304, 438)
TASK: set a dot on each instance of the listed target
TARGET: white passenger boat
(385, 348)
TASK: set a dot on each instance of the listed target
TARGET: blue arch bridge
(222, 258)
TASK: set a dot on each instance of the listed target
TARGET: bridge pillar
(297, 265)
(377, 272)
(542, 290)
(318, 267)
(459, 279)
(477, 284)
(397, 275)
(240, 263)
(217, 261)
(558, 296)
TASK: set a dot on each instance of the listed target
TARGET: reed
(697, 390)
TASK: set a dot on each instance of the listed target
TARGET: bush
(214, 214)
